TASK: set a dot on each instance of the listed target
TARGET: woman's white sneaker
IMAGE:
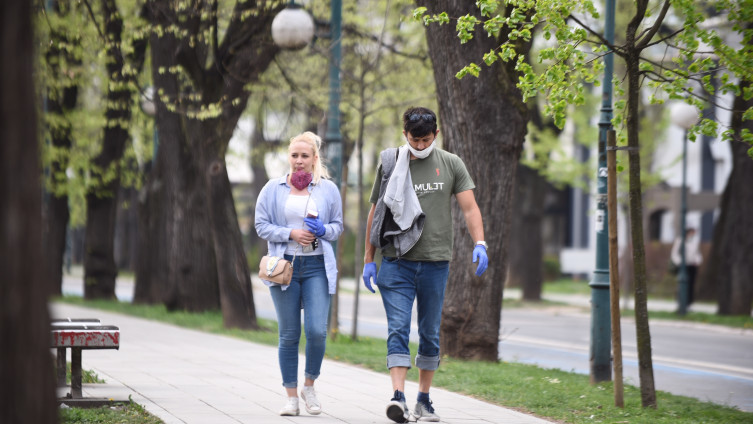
(310, 401)
(290, 408)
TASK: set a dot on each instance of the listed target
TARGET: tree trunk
(189, 214)
(100, 269)
(151, 270)
(58, 102)
(27, 393)
(730, 265)
(526, 244)
(236, 296)
(635, 195)
(483, 121)
(177, 264)
(126, 228)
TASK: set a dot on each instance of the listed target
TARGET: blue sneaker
(397, 409)
(425, 412)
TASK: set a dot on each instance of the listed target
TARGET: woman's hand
(302, 237)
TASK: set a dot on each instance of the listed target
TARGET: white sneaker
(310, 401)
(291, 407)
(425, 412)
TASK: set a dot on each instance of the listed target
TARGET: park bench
(79, 334)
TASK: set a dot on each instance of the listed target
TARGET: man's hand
(479, 254)
(315, 225)
(369, 273)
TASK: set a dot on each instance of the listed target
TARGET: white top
(295, 211)
(692, 251)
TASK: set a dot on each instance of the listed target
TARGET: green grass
(129, 413)
(551, 394)
(567, 286)
(87, 376)
(735, 321)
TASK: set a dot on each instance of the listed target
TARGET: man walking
(411, 222)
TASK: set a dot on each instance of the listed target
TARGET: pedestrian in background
(299, 215)
(693, 258)
(411, 221)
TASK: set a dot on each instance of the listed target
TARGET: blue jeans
(400, 283)
(308, 290)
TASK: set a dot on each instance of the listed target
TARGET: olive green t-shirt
(435, 180)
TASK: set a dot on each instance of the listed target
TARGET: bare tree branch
(643, 41)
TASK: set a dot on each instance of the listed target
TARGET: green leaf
(487, 7)
(418, 14)
(490, 57)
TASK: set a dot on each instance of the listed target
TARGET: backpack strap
(389, 159)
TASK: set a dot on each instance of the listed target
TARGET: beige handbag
(275, 269)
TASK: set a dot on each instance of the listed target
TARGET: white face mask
(421, 154)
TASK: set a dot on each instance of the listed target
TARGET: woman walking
(299, 215)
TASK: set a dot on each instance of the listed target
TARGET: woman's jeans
(400, 283)
(308, 290)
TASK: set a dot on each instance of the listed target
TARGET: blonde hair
(313, 140)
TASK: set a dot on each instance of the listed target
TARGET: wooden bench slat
(89, 339)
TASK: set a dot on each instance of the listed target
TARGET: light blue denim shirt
(271, 224)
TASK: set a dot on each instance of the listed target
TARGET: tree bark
(126, 228)
(177, 258)
(27, 393)
(483, 121)
(100, 269)
(730, 265)
(635, 195)
(526, 244)
(188, 211)
(236, 297)
(58, 101)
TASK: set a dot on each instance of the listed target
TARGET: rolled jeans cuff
(310, 376)
(398, 360)
(428, 363)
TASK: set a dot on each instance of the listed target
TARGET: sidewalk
(187, 376)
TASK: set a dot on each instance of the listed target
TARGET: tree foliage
(686, 52)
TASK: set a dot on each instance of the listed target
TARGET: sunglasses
(425, 116)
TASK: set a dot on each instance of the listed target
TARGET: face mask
(301, 179)
(421, 154)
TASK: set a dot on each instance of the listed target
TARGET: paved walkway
(187, 376)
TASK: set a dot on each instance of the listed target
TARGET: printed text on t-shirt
(426, 187)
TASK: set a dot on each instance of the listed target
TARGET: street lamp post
(293, 28)
(601, 337)
(684, 116)
(333, 136)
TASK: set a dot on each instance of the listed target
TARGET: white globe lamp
(684, 115)
(293, 28)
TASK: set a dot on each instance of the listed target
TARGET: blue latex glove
(369, 273)
(479, 254)
(315, 225)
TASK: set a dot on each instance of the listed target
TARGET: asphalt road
(707, 362)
